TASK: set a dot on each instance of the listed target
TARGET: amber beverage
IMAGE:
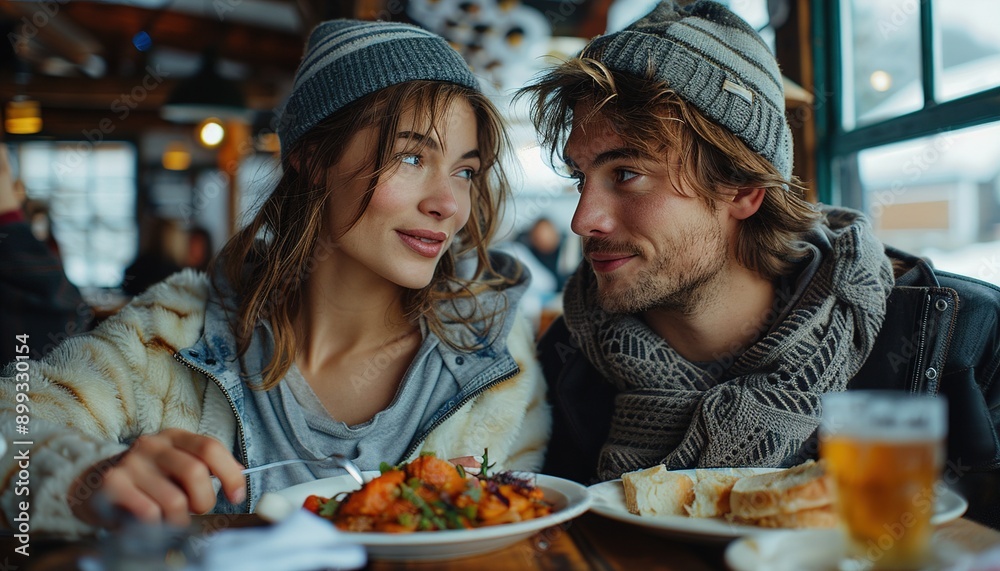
(884, 451)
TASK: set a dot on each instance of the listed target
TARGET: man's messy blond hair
(714, 162)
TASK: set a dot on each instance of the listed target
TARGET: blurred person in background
(162, 254)
(199, 248)
(545, 242)
(36, 299)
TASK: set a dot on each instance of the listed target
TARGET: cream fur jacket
(96, 393)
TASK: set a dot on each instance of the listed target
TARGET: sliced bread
(711, 493)
(803, 487)
(822, 517)
(657, 491)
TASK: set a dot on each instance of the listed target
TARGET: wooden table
(589, 542)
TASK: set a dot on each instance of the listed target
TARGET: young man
(715, 305)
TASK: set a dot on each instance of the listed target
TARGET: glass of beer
(884, 451)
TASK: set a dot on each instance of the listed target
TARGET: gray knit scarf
(755, 408)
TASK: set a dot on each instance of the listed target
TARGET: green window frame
(834, 142)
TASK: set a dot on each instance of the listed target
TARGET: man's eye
(411, 160)
(626, 175)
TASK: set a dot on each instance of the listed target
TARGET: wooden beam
(379, 10)
(148, 91)
(253, 45)
(95, 126)
(793, 46)
(57, 32)
(312, 12)
(596, 21)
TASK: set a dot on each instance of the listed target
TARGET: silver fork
(339, 460)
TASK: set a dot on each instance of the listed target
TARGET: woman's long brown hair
(268, 262)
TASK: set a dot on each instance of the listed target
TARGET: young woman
(358, 313)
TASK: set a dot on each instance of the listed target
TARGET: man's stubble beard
(682, 294)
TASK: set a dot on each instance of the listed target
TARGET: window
(881, 62)
(90, 192)
(911, 135)
(970, 49)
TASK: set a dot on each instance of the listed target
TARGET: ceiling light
(211, 132)
(176, 157)
(23, 116)
(881, 80)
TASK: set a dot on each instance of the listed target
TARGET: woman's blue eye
(467, 174)
(411, 160)
(578, 176)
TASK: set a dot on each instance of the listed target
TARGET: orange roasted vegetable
(431, 494)
(439, 474)
(376, 497)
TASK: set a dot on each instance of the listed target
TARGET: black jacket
(36, 299)
(941, 335)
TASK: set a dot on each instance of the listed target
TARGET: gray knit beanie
(715, 61)
(348, 59)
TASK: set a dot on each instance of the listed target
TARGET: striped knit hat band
(346, 60)
(714, 60)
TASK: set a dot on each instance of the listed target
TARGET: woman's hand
(162, 477)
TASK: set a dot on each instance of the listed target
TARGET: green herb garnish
(486, 466)
(410, 495)
(329, 508)
(470, 512)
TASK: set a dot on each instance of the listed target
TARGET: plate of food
(431, 509)
(721, 504)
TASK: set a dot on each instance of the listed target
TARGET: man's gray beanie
(715, 61)
(348, 59)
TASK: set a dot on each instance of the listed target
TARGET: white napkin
(986, 561)
(302, 541)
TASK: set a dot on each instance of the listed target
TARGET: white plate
(609, 501)
(816, 550)
(568, 498)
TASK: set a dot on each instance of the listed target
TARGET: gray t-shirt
(291, 422)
